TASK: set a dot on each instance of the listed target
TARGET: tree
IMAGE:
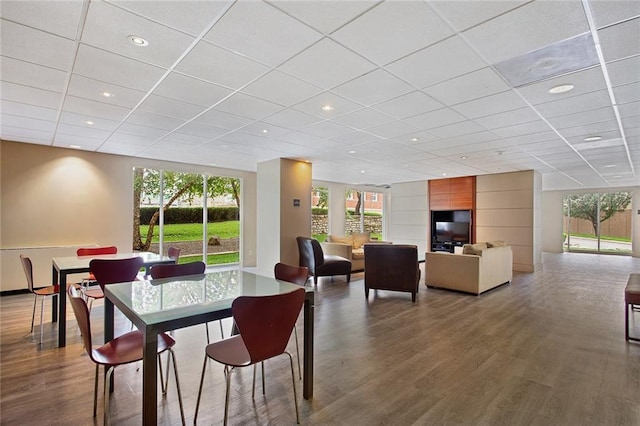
(146, 183)
(323, 197)
(224, 185)
(585, 206)
(358, 206)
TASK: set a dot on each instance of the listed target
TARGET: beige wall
(60, 198)
(508, 208)
(409, 215)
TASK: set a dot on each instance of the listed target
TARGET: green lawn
(603, 237)
(213, 259)
(193, 231)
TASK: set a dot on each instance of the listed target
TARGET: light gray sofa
(478, 269)
(350, 246)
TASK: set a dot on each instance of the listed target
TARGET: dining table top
(82, 262)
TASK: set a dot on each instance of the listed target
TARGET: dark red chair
(43, 292)
(174, 253)
(265, 324)
(295, 275)
(109, 271)
(124, 349)
(91, 279)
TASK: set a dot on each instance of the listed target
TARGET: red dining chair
(295, 275)
(109, 271)
(90, 279)
(42, 292)
(123, 349)
(176, 270)
(174, 253)
(265, 324)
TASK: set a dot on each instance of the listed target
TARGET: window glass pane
(146, 207)
(373, 213)
(223, 220)
(320, 213)
(353, 214)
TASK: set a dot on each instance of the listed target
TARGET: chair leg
(163, 385)
(33, 317)
(206, 325)
(175, 371)
(107, 379)
(253, 386)
(295, 332)
(41, 318)
(95, 391)
(204, 368)
(221, 329)
(262, 368)
(226, 398)
(293, 384)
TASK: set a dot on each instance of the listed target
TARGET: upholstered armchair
(319, 264)
(391, 267)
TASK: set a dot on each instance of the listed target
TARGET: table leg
(62, 311)
(307, 375)
(54, 299)
(149, 378)
(108, 329)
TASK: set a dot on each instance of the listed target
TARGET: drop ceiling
(411, 90)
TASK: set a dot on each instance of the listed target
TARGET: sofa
(479, 268)
(391, 267)
(350, 246)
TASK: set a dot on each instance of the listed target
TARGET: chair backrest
(28, 271)
(311, 254)
(109, 271)
(393, 265)
(92, 251)
(290, 273)
(81, 312)
(177, 270)
(266, 322)
(174, 253)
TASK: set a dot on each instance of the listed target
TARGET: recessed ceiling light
(414, 139)
(610, 166)
(561, 88)
(500, 152)
(138, 41)
(75, 146)
(265, 131)
(352, 152)
(444, 174)
(592, 138)
(327, 108)
(362, 171)
(89, 122)
(107, 94)
(464, 157)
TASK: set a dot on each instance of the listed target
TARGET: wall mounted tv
(451, 226)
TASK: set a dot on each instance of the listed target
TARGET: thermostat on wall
(296, 202)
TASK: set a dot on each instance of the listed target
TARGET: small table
(157, 306)
(63, 266)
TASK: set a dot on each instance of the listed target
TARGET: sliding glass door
(598, 222)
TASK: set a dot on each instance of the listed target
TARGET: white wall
(409, 215)
(55, 197)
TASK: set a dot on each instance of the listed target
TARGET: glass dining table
(67, 265)
(156, 306)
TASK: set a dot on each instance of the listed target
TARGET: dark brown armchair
(312, 256)
(391, 267)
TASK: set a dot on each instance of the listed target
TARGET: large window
(200, 216)
(598, 222)
(364, 212)
(319, 213)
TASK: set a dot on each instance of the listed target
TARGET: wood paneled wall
(454, 194)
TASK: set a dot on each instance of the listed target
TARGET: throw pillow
(475, 249)
(360, 239)
(497, 243)
(343, 239)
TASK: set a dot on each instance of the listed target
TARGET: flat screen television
(452, 232)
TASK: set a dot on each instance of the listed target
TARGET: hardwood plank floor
(547, 349)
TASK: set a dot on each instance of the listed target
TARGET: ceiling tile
(522, 129)
(27, 123)
(624, 71)
(314, 105)
(324, 16)
(109, 27)
(337, 65)
(281, 88)
(327, 129)
(94, 108)
(356, 138)
(387, 87)
(585, 102)
(25, 110)
(98, 135)
(363, 118)
(474, 85)
(219, 66)
(161, 105)
(202, 130)
(581, 118)
(530, 27)
(627, 93)
(37, 76)
(584, 81)
(453, 58)
(248, 106)
(411, 104)
(433, 119)
(19, 134)
(190, 17)
(610, 12)
(260, 31)
(457, 129)
(60, 17)
(504, 119)
(81, 120)
(88, 88)
(292, 119)
(409, 26)
(492, 104)
(186, 89)
(149, 119)
(30, 95)
(109, 67)
(36, 46)
(465, 14)
(222, 119)
(393, 129)
(621, 40)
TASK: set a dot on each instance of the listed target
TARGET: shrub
(190, 214)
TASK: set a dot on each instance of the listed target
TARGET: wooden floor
(547, 349)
